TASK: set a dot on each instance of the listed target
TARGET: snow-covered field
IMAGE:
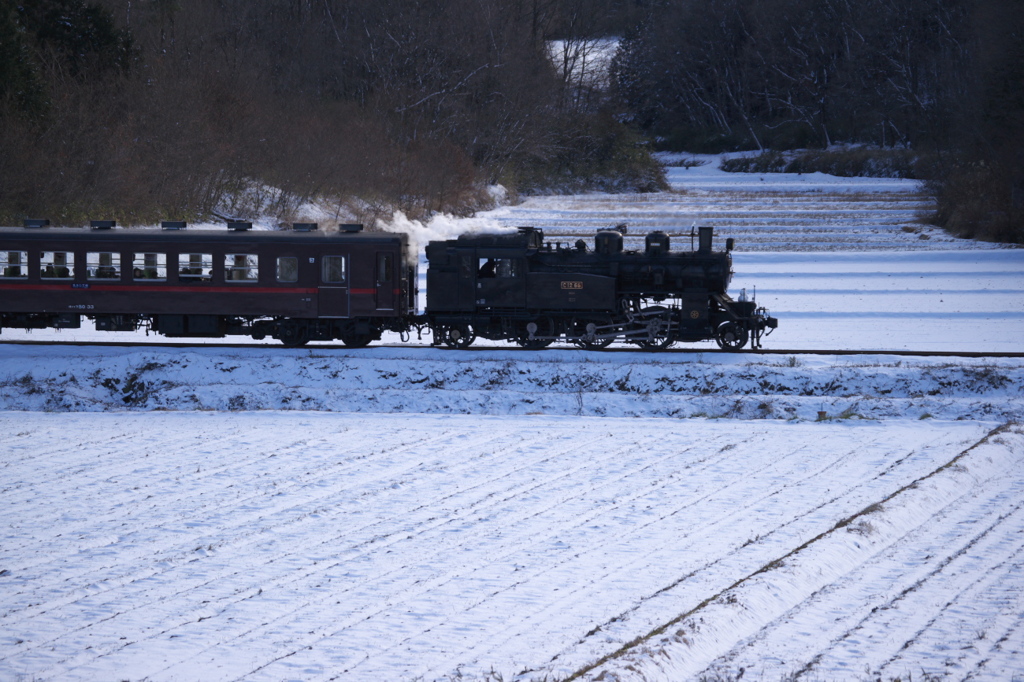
(402, 514)
(315, 546)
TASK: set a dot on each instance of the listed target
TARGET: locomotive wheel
(459, 336)
(591, 328)
(731, 336)
(659, 334)
(600, 344)
(659, 340)
(545, 326)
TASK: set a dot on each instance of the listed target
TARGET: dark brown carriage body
(236, 287)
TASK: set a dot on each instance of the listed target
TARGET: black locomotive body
(517, 287)
(294, 286)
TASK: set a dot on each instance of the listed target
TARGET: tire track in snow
(504, 626)
(850, 615)
(717, 622)
(739, 558)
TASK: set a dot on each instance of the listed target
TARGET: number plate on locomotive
(572, 285)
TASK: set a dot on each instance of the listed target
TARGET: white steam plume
(438, 228)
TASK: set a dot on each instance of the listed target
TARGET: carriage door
(385, 281)
(333, 286)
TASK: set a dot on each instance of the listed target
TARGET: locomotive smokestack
(704, 236)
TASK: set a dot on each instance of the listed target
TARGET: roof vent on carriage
(102, 224)
(350, 227)
(36, 222)
(305, 227)
(174, 225)
(239, 225)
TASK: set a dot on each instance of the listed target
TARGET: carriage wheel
(353, 340)
(293, 335)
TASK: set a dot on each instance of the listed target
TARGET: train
(305, 284)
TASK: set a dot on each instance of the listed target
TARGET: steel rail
(616, 349)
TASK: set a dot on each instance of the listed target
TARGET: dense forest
(944, 78)
(141, 109)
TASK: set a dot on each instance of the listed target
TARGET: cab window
(508, 267)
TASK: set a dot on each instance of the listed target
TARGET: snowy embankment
(553, 382)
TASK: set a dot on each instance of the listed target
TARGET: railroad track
(617, 349)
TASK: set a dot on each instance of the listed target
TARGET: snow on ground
(402, 514)
(316, 546)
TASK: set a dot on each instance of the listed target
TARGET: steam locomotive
(516, 287)
(304, 285)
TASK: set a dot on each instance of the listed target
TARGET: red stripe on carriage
(149, 288)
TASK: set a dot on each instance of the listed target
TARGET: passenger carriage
(296, 285)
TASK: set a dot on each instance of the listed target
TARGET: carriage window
(385, 268)
(149, 266)
(288, 269)
(241, 267)
(14, 264)
(333, 269)
(195, 267)
(103, 265)
(57, 265)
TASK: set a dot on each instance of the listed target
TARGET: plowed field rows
(370, 547)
